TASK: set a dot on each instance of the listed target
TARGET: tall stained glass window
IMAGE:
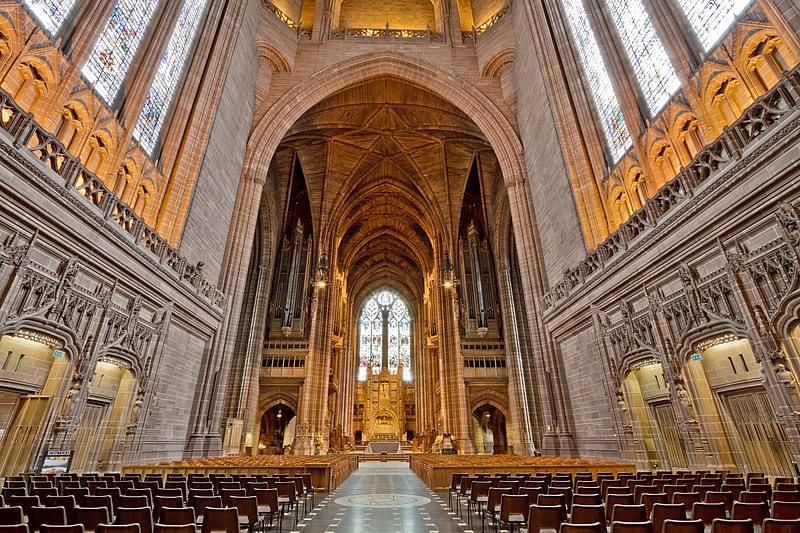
(154, 111)
(611, 119)
(384, 336)
(710, 19)
(651, 64)
(51, 14)
(115, 48)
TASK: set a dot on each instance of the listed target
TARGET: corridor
(383, 498)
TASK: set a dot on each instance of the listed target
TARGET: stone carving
(787, 380)
(790, 222)
(686, 401)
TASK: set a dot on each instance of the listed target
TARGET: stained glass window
(115, 48)
(611, 119)
(651, 64)
(51, 14)
(384, 310)
(710, 19)
(156, 104)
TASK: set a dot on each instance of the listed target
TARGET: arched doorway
(275, 424)
(489, 424)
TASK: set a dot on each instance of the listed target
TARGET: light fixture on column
(448, 275)
(321, 279)
(280, 413)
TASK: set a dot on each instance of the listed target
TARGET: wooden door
(20, 440)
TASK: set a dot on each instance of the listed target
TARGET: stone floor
(383, 498)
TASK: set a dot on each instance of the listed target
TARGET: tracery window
(611, 120)
(648, 57)
(115, 48)
(156, 104)
(384, 336)
(51, 14)
(710, 19)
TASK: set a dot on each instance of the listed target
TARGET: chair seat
(516, 518)
(482, 499)
(264, 509)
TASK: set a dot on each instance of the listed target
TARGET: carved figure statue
(71, 399)
(683, 397)
(787, 379)
(136, 411)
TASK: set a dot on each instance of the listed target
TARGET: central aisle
(383, 498)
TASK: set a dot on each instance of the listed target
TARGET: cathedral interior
(287, 228)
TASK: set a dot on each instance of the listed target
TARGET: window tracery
(384, 336)
(116, 47)
(165, 83)
(611, 119)
(50, 14)
(651, 65)
(711, 19)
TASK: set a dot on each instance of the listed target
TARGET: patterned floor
(383, 498)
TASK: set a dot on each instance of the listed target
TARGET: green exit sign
(58, 354)
(697, 357)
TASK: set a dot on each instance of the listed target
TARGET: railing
(283, 17)
(76, 178)
(719, 154)
(387, 33)
(483, 27)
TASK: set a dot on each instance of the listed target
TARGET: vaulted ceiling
(386, 164)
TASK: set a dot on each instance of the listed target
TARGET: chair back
(513, 504)
(286, 489)
(683, 526)
(79, 493)
(220, 520)
(545, 517)
(91, 517)
(612, 500)
(688, 499)
(708, 512)
(56, 516)
(629, 513)
(571, 527)
(774, 525)
(10, 516)
(174, 528)
(632, 527)
(14, 528)
(67, 502)
(176, 516)
(134, 501)
(99, 501)
(786, 496)
(71, 528)
(785, 510)
(723, 525)
(650, 499)
(587, 499)
(118, 528)
(201, 503)
(267, 500)
(480, 490)
(136, 515)
(247, 507)
(587, 514)
(666, 511)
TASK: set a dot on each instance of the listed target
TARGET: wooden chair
(79, 493)
(786, 496)
(587, 514)
(55, 516)
(756, 512)
(631, 527)
(136, 515)
(91, 517)
(513, 511)
(479, 496)
(683, 526)
(175, 516)
(612, 500)
(287, 496)
(70, 528)
(134, 501)
(247, 508)
(587, 499)
(629, 513)
(10, 516)
(67, 502)
(650, 499)
(719, 496)
(545, 517)
(662, 512)
(220, 519)
(774, 525)
(753, 497)
(493, 503)
(201, 503)
(174, 528)
(118, 528)
(596, 527)
(722, 525)
(708, 512)
(786, 510)
(267, 504)
(14, 528)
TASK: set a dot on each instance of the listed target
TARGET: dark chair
(545, 517)
(99, 501)
(118, 528)
(552, 499)
(174, 485)
(201, 503)
(218, 519)
(722, 525)
(786, 496)
(174, 528)
(683, 526)
(666, 511)
(175, 516)
(14, 528)
(629, 513)
(43, 492)
(773, 525)
(612, 500)
(597, 527)
(650, 499)
(756, 512)
(513, 511)
(287, 496)
(67, 502)
(753, 497)
(147, 493)
(786, 510)
(478, 498)
(587, 499)
(247, 507)
(532, 493)
(71, 528)
(94, 484)
(688, 499)
(493, 503)
(310, 489)
(136, 515)
(78, 493)
(10, 516)
(708, 512)
(631, 527)
(226, 495)
(91, 517)
(166, 501)
(37, 516)
(267, 505)
(587, 514)
(719, 496)
(26, 502)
